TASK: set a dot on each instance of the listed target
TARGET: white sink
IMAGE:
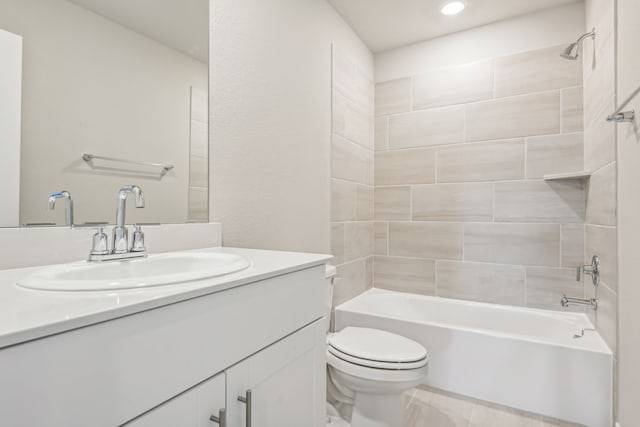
(155, 270)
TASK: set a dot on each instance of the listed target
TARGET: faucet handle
(100, 243)
(138, 239)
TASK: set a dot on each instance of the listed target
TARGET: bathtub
(518, 357)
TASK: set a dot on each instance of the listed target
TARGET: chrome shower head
(569, 53)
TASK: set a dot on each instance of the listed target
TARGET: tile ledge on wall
(567, 175)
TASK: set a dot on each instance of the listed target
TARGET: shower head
(572, 51)
(568, 52)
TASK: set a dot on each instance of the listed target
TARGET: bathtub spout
(568, 302)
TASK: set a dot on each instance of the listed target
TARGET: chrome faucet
(68, 205)
(120, 232)
(120, 249)
(567, 302)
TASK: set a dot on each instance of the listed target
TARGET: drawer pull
(247, 399)
(221, 419)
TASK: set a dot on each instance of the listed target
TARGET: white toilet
(376, 368)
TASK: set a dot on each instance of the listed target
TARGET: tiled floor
(431, 408)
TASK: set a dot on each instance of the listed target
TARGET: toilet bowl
(376, 368)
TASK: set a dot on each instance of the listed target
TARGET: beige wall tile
(554, 154)
(500, 284)
(337, 242)
(424, 128)
(358, 240)
(368, 271)
(486, 161)
(599, 86)
(405, 274)
(364, 203)
(546, 286)
(524, 115)
(200, 106)
(351, 282)
(351, 81)
(524, 244)
(199, 138)
(453, 85)
(572, 109)
(415, 166)
(343, 200)
(425, 240)
(393, 97)
(198, 171)
(601, 196)
(392, 203)
(380, 238)
(351, 161)
(535, 71)
(381, 133)
(602, 241)
(198, 204)
(572, 249)
(540, 201)
(600, 141)
(351, 122)
(452, 202)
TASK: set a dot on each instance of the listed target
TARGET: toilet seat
(373, 348)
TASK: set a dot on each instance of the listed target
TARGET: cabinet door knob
(221, 419)
(247, 399)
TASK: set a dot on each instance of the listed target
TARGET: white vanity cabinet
(179, 363)
(193, 408)
(281, 386)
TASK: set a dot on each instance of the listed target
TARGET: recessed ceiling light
(453, 8)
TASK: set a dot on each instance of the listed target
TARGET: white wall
(271, 120)
(537, 30)
(91, 85)
(628, 135)
(10, 106)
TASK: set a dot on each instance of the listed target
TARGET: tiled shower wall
(600, 159)
(461, 208)
(352, 125)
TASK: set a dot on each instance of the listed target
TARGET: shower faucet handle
(592, 270)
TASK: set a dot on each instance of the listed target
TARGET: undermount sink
(154, 270)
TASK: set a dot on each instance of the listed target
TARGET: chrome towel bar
(90, 157)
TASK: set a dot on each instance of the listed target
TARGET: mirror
(122, 81)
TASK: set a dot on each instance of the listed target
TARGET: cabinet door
(286, 382)
(192, 408)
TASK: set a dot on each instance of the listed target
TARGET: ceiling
(182, 25)
(387, 24)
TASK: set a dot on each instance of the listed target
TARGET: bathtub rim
(595, 343)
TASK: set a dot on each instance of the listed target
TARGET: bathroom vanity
(246, 349)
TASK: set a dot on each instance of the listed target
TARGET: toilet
(373, 368)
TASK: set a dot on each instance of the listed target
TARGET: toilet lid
(376, 346)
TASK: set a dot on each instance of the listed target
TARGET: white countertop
(30, 314)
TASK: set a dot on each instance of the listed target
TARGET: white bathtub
(519, 357)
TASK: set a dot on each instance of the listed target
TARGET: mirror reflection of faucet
(120, 248)
(68, 205)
